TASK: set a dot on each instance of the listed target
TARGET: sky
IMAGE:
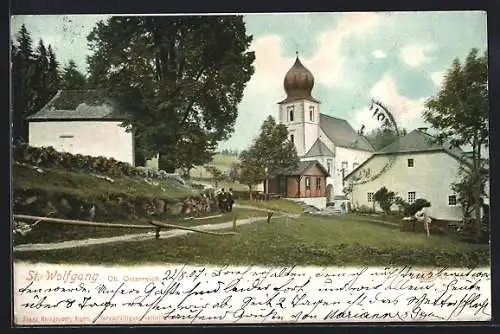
(398, 58)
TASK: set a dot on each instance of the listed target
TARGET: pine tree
(53, 75)
(72, 78)
(40, 76)
(23, 78)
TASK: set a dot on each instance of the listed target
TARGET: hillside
(221, 161)
(43, 190)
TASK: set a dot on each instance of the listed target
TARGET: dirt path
(140, 236)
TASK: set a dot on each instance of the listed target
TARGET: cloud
(407, 112)
(438, 77)
(378, 54)
(328, 62)
(415, 54)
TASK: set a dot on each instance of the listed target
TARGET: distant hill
(221, 161)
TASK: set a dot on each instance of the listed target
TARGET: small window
(308, 182)
(318, 183)
(452, 200)
(370, 197)
(290, 113)
(355, 165)
(344, 165)
(66, 136)
(311, 113)
(411, 197)
(410, 162)
(329, 165)
(292, 138)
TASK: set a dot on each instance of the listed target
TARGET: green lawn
(282, 205)
(309, 240)
(47, 232)
(84, 185)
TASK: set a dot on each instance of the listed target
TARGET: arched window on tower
(311, 113)
(292, 138)
(290, 113)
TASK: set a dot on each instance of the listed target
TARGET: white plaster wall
(297, 126)
(95, 138)
(152, 163)
(431, 178)
(351, 156)
(311, 128)
(319, 202)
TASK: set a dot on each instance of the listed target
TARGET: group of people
(225, 200)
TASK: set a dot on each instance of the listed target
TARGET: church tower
(299, 111)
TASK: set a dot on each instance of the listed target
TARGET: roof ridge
(329, 116)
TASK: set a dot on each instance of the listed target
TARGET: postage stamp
(250, 168)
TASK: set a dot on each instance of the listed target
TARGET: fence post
(234, 222)
(158, 232)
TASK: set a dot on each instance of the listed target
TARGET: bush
(364, 209)
(467, 232)
(384, 198)
(416, 206)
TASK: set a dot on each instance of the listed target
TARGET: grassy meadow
(308, 240)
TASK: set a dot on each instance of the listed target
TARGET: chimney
(424, 130)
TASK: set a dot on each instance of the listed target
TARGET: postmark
(386, 122)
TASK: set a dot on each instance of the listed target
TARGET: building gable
(319, 149)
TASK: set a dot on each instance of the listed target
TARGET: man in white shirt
(422, 216)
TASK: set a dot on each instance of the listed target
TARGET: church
(323, 142)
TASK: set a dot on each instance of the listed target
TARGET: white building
(413, 167)
(327, 139)
(82, 122)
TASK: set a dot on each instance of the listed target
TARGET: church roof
(303, 166)
(341, 133)
(79, 105)
(318, 149)
(298, 83)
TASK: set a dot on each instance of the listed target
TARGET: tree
(46, 75)
(272, 152)
(217, 174)
(72, 78)
(383, 136)
(174, 73)
(53, 75)
(465, 190)
(385, 199)
(460, 112)
(250, 171)
(23, 77)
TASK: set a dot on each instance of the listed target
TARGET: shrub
(384, 198)
(416, 206)
(364, 209)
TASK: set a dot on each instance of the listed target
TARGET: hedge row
(48, 157)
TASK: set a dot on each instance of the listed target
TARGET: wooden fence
(155, 225)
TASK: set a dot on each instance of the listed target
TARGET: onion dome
(298, 82)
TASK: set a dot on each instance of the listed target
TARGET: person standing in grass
(423, 217)
(221, 199)
(229, 199)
